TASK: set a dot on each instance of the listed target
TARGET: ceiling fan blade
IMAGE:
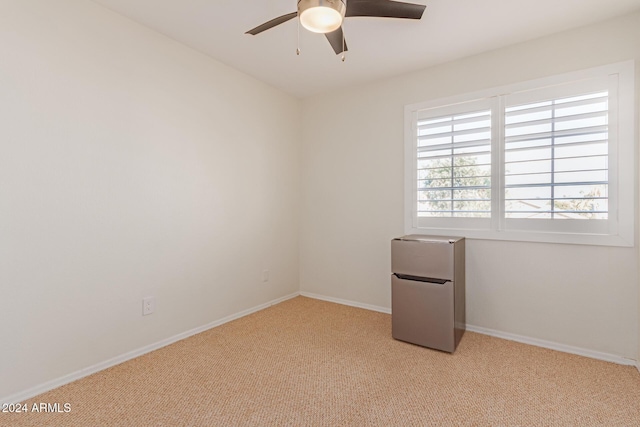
(384, 9)
(277, 21)
(336, 39)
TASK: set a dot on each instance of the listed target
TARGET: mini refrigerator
(428, 290)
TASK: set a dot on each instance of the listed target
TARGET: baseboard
(498, 334)
(553, 346)
(347, 302)
(50, 385)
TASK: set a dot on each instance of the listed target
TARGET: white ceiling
(378, 47)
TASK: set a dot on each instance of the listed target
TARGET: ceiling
(378, 47)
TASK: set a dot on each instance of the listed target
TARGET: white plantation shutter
(454, 165)
(549, 160)
(556, 158)
(452, 149)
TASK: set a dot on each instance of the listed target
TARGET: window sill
(529, 236)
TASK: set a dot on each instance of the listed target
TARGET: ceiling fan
(326, 16)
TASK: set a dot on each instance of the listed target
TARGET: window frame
(619, 229)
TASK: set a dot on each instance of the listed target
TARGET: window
(549, 160)
(454, 165)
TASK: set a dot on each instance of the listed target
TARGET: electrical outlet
(265, 275)
(148, 305)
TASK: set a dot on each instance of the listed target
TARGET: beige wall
(352, 168)
(131, 166)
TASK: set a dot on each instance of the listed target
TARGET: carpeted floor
(309, 362)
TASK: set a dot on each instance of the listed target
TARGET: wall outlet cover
(148, 305)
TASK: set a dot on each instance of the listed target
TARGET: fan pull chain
(344, 45)
(298, 41)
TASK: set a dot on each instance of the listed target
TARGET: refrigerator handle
(421, 279)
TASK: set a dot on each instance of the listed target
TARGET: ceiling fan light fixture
(321, 16)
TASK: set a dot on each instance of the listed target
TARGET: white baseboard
(50, 385)
(347, 302)
(498, 334)
(553, 345)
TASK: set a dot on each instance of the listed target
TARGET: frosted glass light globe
(321, 16)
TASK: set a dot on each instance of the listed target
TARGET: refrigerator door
(423, 313)
(423, 258)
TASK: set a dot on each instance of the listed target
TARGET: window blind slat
(592, 130)
(524, 110)
(555, 121)
(453, 120)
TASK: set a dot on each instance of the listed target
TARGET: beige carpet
(308, 362)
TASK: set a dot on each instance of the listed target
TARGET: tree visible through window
(454, 166)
